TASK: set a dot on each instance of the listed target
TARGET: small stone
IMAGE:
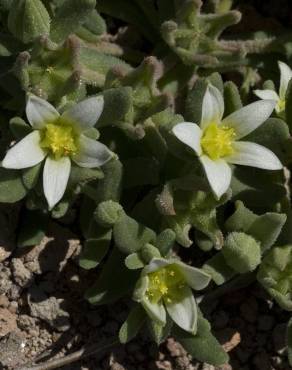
(22, 276)
(13, 307)
(117, 366)
(48, 309)
(53, 252)
(175, 349)
(4, 301)
(7, 322)
(11, 350)
(208, 367)
(5, 281)
(182, 363)
(14, 292)
(33, 332)
(229, 338)
(277, 361)
(26, 322)
(5, 252)
(224, 367)
(164, 365)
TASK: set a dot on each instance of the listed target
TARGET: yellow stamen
(166, 283)
(217, 141)
(59, 139)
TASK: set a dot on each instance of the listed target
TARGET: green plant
(142, 135)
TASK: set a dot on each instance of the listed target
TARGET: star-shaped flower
(217, 141)
(165, 286)
(285, 77)
(59, 139)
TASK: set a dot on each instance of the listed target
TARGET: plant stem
(85, 351)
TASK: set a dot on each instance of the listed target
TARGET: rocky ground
(43, 315)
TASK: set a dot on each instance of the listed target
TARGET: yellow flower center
(165, 283)
(59, 139)
(217, 141)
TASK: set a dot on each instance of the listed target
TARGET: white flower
(59, 139)
(216, 141)
(166, 286)
(286, 75)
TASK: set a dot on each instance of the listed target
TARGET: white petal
(86, 113)
(39, 112)
(218, 173)
(285, 77)
(55, 179)
(26, 153)
(156, 264)
(91, 153)
(196, 278)
(190, 134)
(213, 106)
(267, 94)
(248, 118)
(155, 310)
(254, 155)
(184, 312)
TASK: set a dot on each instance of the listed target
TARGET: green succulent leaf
(265, 228)
(69, 17)
(32, 228)
(95, 23)
(19, 127)
(110, 187)
(31, 175)
(134, 261)
(28, 19)
(273, 134)
(203, 346)
(130, 236)
(95, 248)
(148, 252)
(241, 252)
(12, 188)
(232, 98)
(108, 213)
(133, 324)
(275, 275)
(115, 281)
(165, 241)
(159, 332)
(122, 99)
(218, 268)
